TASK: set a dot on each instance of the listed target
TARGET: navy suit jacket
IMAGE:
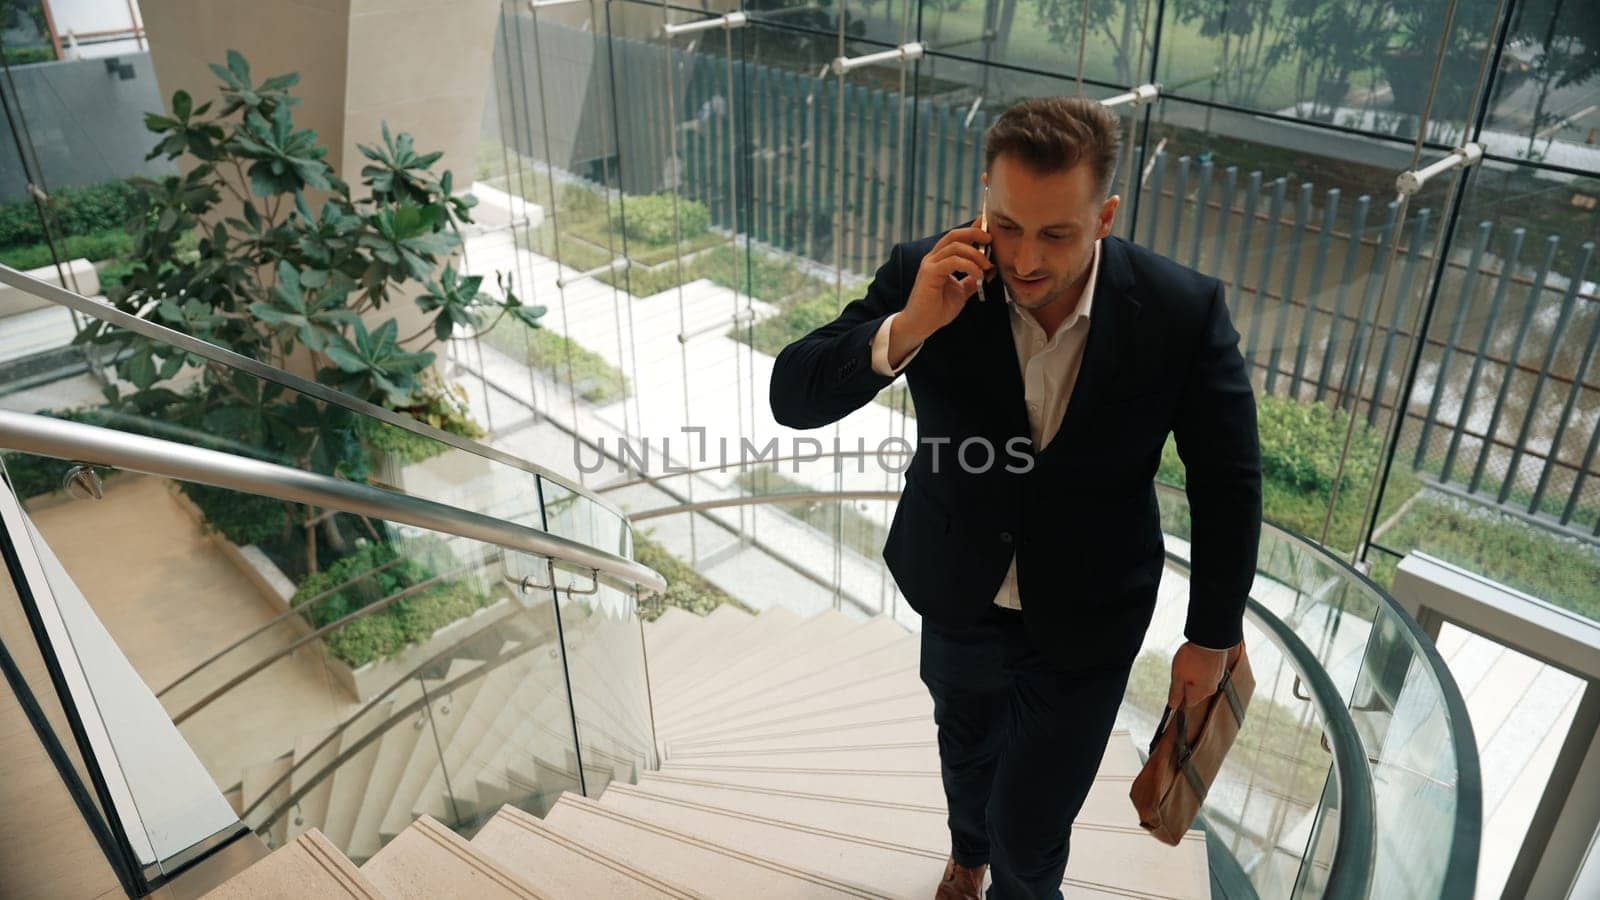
(1161, 357)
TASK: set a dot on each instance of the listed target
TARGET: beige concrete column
(422, 66)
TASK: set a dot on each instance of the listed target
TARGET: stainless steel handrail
(45, 436)
(1355, 855)
(94, 309)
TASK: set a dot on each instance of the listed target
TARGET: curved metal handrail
(73, 441)
(60, 296)
(310, 782)
(1462, 864)
(279, 619)
(1355, 857)
(1461, 869)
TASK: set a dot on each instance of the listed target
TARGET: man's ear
(1108, 215)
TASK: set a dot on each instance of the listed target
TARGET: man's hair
(1053, 134)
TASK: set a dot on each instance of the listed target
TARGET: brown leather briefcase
(1187, 752)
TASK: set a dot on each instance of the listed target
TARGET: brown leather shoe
(960, 882)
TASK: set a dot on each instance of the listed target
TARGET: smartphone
(983, 225)
(986, 249)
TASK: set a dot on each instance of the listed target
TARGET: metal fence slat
(1512, 260)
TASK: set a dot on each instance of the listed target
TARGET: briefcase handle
(1224, 687)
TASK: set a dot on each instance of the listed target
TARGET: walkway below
(171, 599)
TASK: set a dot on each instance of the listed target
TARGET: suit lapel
(996, 343)
(1111, 340)
(1112, 328)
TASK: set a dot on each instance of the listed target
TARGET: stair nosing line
(533, 826)
(911, 694)
(790, 826)
(435, 830)
(781, 792)
(761, 861)
(820, 729)
(831, 666)
(869, 842)
(327, 857)
(901, 745)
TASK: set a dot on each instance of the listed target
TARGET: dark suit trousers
(1020, 741)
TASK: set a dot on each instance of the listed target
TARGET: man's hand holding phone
(951, 273)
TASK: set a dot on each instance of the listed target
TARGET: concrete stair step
(893, 731)
(346, 796)
(538, 722)
(908, 756)
(709, 869)
(257, 789)
(885, 867)
(764, 792)
(309, 759)
(914, 756)
(892, 667)
(448, 708)
(428, 861)
(660, 632)
(474, 729)
(394, 750)
(687, 672)
(540, 687)
(844, 839)
(610, 679)
(562, 867)
(716, 627)
(309, 866)
(914, 702)
(725, 675)
(783, 674)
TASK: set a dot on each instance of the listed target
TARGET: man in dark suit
(1045, 381)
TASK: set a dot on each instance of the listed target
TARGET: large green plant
(291, 265)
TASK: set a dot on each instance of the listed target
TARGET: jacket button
(1005, 537)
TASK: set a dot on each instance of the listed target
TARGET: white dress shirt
(1049, 373)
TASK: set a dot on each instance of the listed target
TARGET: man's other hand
(1196, 672)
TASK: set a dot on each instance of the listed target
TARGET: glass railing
(543, 689)
(443, 662)
(223, 401)
(199, 394)
(1276, 815)
(1408, 711)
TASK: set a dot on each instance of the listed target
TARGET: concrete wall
(304, 36)
(423, 66)
(86, 124)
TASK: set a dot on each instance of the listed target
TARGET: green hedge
(243, 519)
(662, 219)
(24, 56)
(1559, 570)
(763, 277)
(686, 589)
(1300, 446)
(101, 245)
(443, 407)
(108, 206)
(861, 533)
(404, 622)
(597, 380)
(796, 321)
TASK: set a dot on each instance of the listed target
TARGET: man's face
(1044, 228)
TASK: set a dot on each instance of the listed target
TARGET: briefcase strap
(1185, 754)
(1228, 692)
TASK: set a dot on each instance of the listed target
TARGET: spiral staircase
(798, 760)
